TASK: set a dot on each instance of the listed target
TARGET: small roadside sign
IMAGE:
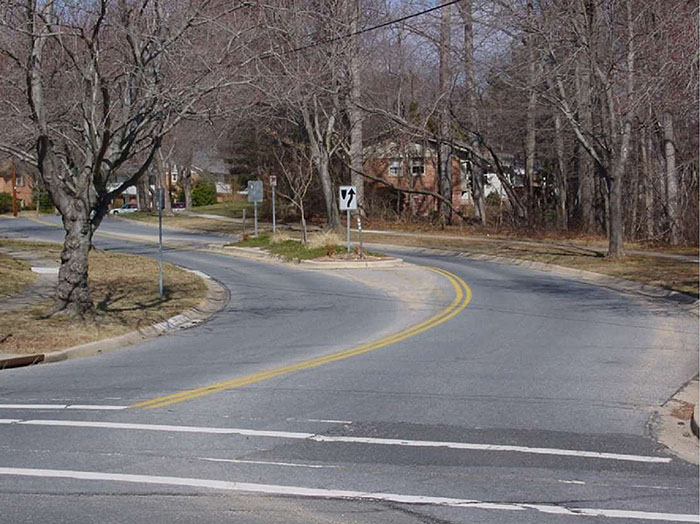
(255, 191)
(348, 198)
(273, 181)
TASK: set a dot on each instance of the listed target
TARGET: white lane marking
(571, 481)
(267, 463)
(299, 491)
(94, 407)
(354, 440)
(658, 487)
(328, 421)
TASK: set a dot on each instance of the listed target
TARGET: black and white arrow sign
(348, 198)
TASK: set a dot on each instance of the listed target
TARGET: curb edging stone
(254, 253)
(215, 300)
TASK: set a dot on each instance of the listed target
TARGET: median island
(124, 290)
(319, 247)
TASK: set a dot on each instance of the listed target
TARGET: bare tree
(99, 95)
(297, 168)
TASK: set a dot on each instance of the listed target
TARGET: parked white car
(126, 208)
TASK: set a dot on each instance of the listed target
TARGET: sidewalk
(42, 289)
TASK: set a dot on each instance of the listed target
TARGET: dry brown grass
(667, 273)
(279, 238)
(16, 277)
(324, 239)
(125, 291)
(48, 250)
(505, 233)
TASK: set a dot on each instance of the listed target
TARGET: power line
(373, 28)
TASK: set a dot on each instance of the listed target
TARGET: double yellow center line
(463, 296)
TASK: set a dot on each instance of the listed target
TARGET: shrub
(45, 202)
(203, 193)
(279, 238)
(5, 202)
(326, 239)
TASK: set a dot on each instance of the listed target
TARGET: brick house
(24, 181)
(413, 165)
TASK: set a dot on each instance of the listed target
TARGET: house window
(19, 181)
(417, 167)
(394, 167)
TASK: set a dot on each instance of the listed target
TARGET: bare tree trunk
(323, 167)
(73, 296)
(355, 113)
(530, 115)
(319, 136)
(163, 170)
(672, 207)
(143, 200)
(304, 235)
(477, 175)
(562, 186)
(645, 147)
(186, 183)
(616, 241)
(585, 162)
(445, 153)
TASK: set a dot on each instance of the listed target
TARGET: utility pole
(14, 189)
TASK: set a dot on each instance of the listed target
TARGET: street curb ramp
(215, 300)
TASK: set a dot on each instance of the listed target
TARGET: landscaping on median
(125, 292)
(321, 246)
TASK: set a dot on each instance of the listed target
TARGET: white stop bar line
(467, 446)
(298, 491)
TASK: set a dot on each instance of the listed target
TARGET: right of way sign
(348, 198)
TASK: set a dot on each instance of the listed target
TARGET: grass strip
(669, 274)
(125, 292)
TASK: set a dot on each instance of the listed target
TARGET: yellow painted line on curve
(463, 296)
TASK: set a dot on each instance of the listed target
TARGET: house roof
(210, 163)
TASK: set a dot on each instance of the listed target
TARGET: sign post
(273, 185)
(255, 195)
(160, 197)
(348, 202)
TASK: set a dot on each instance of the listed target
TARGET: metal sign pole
(348, 232)
(359, 230)
(159, 193)
(274, 218)
(255, 206)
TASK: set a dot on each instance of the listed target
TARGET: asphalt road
(531, 405)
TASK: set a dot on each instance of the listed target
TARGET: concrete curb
(253, 253)
(216, 299)
(672, 423)
(353, 264)
(685, 302)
